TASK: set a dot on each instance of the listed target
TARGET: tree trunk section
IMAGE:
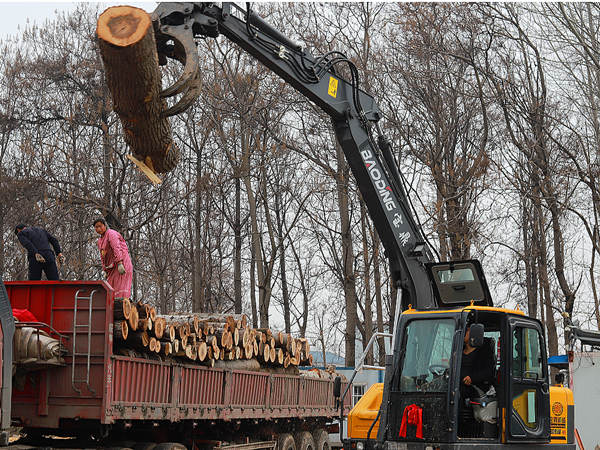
(237, 262)
(121, 330)
(128, 50)
(348, 275)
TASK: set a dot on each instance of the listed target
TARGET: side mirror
(337, 387)
(476, 335)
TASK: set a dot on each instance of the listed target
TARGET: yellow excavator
(421, 404)
(518, 409)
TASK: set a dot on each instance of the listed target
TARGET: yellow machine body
(364, 412)
(561, 414)
(362, 415)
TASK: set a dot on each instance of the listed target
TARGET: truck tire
(144, 446)
(285, 441)
(170, 446)
(321, 438)
(304, 441)
(4, 438)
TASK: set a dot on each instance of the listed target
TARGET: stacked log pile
(207, 339)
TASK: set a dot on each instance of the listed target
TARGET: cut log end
(202, 351)
(121, 330)
(123, 25)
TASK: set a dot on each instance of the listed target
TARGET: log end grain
(202, 351)
(123, 25)
(152, 313)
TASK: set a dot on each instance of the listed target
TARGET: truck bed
(97, 385)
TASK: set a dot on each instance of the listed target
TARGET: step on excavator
(423, 403)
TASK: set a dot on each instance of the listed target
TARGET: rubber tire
(144, 446)
(170, 446)
(304, 441)
(4, 438)
(321, 438)
(286, 441)
(121, 445)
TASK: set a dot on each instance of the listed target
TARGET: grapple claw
(179, 23)
(185, 52)
(190, 96)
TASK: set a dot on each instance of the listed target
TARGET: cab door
(528, 392)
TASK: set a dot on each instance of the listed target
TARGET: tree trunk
(305, 297)
(263, 315)
(237, 257)
(349, 282)
(593, 284)
(545, 281)
(265, 302)
(253, 287)
(128, 50)
(530, 256)
(368, 309)
(280, 215)
(197, 281)
(378, 298)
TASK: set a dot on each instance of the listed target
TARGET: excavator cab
(425, 401)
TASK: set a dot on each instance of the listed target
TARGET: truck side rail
(159, 390)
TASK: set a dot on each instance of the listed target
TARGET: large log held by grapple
(128, 50)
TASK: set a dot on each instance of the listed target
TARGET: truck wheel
(4, 435)
(170, 446)
(304, 441)
(321, 438)
(144, 446)
(285, 441)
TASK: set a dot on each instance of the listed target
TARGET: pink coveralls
(113, 249)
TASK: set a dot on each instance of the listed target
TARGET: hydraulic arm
(353, 112)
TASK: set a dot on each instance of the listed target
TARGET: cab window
(527, 355)
(451, 276)
(428, 349)
(526, 371)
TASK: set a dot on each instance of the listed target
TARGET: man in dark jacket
(37, 242)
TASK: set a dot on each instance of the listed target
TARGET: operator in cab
(478, 405)
(477, 368)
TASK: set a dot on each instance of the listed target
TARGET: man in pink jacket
(116, 262)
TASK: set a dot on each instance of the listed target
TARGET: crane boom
(354, 115)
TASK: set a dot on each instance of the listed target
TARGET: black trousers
(49, 268)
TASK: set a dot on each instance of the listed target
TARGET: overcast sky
(15, 15)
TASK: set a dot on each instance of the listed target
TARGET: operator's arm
(24, 240)
(54, 243)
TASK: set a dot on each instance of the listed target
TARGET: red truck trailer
(111, 397)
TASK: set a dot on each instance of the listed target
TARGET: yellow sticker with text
(333, 85)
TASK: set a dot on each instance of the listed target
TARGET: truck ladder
(86, 326)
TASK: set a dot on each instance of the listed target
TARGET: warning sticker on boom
(333, 85)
